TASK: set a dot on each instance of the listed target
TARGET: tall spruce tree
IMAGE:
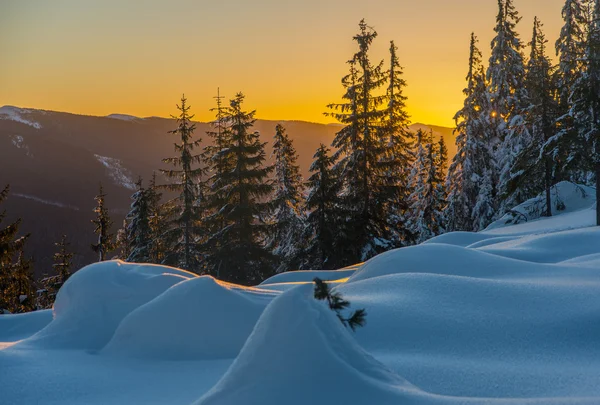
(156, 221)
(505, 75)
(323, 214)
(288, 219)
(184, 229)
(533, 171)
(103, 223)
(236, 252)
(21, 291)
(63, 260)
(361, 154)
(399, 145)
(571, 156)
(586, 98)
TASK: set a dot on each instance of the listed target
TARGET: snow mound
(566, 197)
(12, 113)
(548, 248)
(21, 326)
(94, 300)
(200, 318)
(299, 353)
(304, 276)
(440, 259)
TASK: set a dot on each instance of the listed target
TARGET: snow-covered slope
(17, 114)
(507, 316)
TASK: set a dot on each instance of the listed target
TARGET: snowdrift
(299, 353)
(92, 303)
(200, 318)
(566, 197)
(20, 326)
(304, 276)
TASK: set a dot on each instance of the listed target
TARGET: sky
(137, 57)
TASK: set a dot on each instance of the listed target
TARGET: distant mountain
(54, 162)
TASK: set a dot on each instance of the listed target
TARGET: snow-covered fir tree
(586, 98)
(103, 224)
(428, 195)
(324, 215)
(139, 233)
(184, 231)
(21, 291)
(399, 147)
(505, 75)
(533, 169)
(287, 220)
(361, 154)
(156, 221)
(236, 252)
(570, 155)
(63, 261)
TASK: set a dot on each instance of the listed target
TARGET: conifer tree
(323, 214)
(138, 229)
(586, 98)
(236, 252)
(21, 292)
(505, 76)
(288, 220)
(399, 145)
(427, 199)
(8, 248)
(184, 231)
(156, 221)
(534, 166)
(63, 260)
(570, 154)
(361, 154)
(103, 223)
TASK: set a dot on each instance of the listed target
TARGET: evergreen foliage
(236, 252)
(183, 231)
(287, 219)
(103, 223)
(323, 214)
(337, 303)
(361, 155)
(139, 231)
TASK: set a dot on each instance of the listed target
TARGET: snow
(177, 325)
(12, 113)
(323, 355)
(123, 117)
(120, 175)
(47, 202)
(95, 299)
(506, 316)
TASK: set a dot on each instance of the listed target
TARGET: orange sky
(137, 56)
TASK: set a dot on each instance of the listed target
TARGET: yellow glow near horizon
(288, 57)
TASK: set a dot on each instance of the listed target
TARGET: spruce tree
(570, 154)
(287, 219)
(156, 221)
(505, 76)
(8, 248)
(63, 261)
(360, 154)
(184, 231)
(21, 291)
(236, 252)
(586, 98)
(534, 166)
(324, 217)
(138, 230)
(103, 223)
(399, 144)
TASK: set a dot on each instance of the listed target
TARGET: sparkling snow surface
(510, 315)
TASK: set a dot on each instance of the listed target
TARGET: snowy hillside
(510, 315)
